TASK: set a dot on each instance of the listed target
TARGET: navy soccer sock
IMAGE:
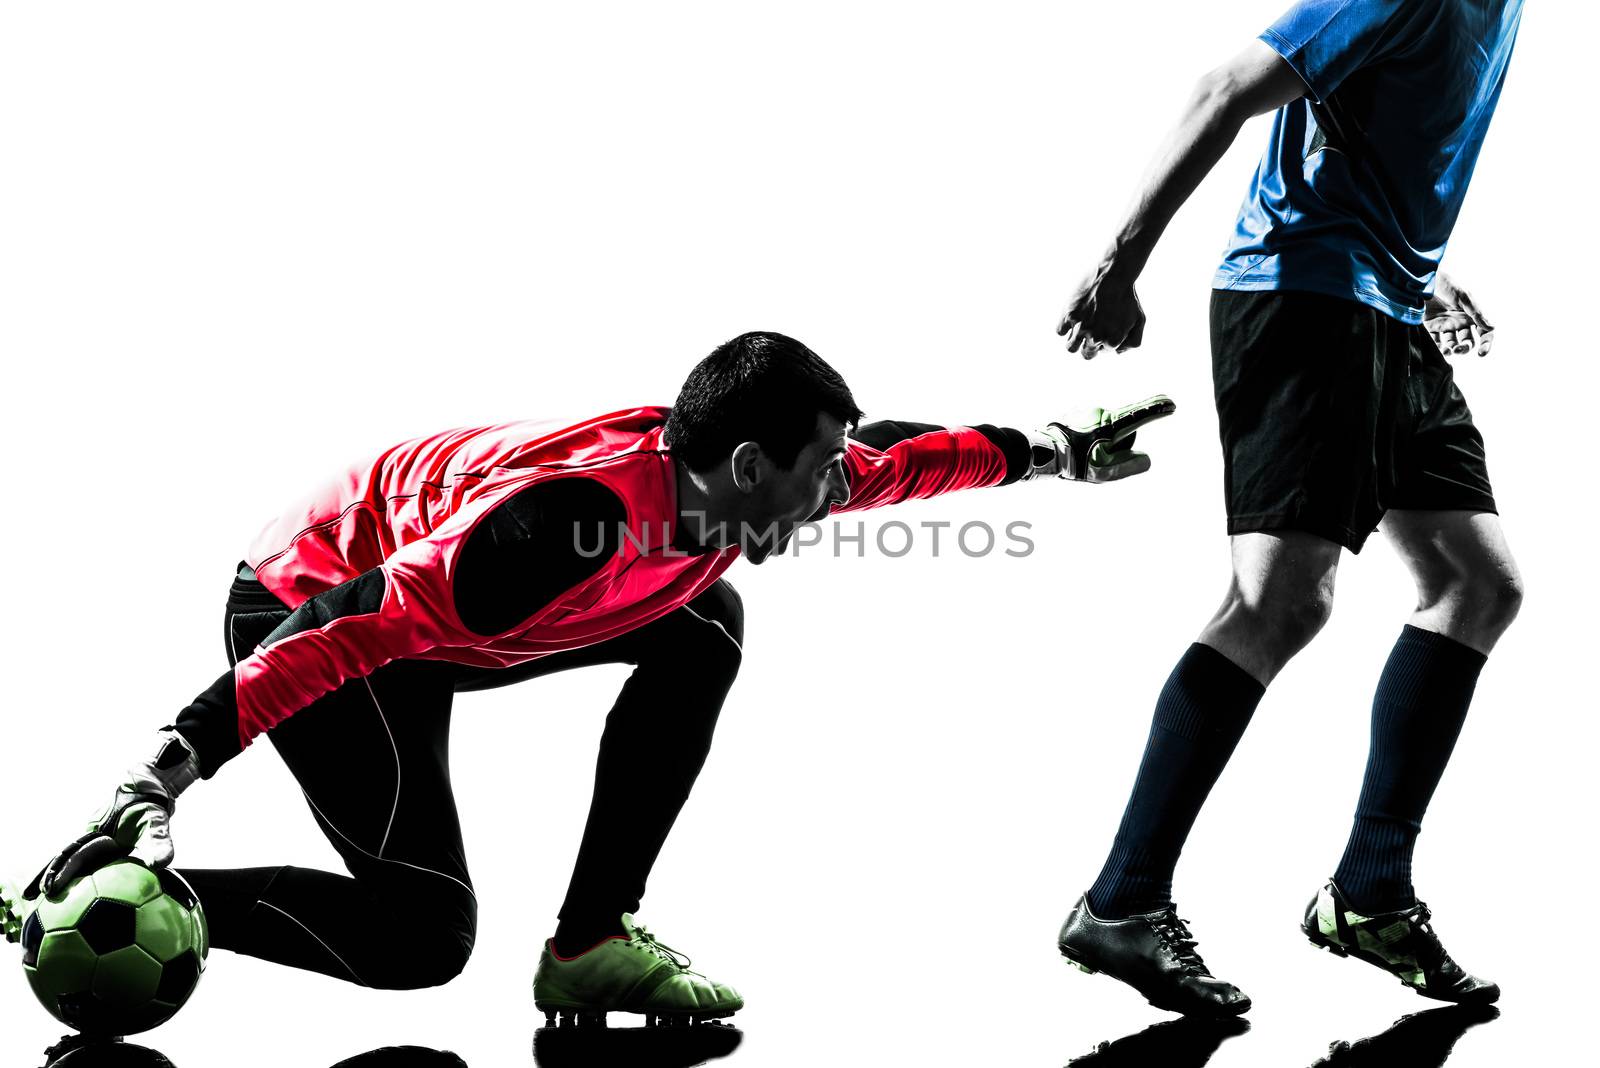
(1417, 713)
(1200, 716)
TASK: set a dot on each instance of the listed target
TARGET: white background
(243, 245)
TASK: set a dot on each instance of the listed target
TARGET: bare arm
(1104, 310)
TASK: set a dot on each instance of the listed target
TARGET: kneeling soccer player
(479, 557)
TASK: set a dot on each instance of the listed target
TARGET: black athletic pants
(373, 760)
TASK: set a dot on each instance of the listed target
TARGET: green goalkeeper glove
(136, 824)
(1102, 449)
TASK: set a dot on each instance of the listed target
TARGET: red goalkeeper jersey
(406, 515)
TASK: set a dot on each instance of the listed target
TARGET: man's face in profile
(806, 492)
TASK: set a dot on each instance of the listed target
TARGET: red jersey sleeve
(391, 612)
(937, 461)
(482, 573)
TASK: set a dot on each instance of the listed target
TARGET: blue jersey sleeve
(1326, 41)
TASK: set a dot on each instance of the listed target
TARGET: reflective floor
(76, 1052)
(919, 979)
(1424, 1039)
(1420, 1040)
(658, 1047)
(565, 1047)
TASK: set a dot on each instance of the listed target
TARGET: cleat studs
(1084, 968)
(549, 1017)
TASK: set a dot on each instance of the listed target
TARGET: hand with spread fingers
(1455, 321)
(1100, 449)
(135, 825)
(1104, 313)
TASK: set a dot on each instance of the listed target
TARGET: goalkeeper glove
(1100, 450)
(136, 824)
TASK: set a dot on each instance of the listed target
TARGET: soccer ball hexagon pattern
(117, 952)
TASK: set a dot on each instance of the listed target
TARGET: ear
(749, 466)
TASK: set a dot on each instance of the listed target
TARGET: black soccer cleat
(1402, 943)
(1153, 952)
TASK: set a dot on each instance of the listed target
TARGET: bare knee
(1468, 586)
(1499, 600)
(1301, 616)
(1284, 619)
(1480, 605)
(1269, 616)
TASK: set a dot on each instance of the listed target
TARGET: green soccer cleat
(1402, 943)
(635, 973)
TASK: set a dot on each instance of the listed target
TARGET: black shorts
(1331, 413)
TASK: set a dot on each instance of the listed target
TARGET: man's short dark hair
(760, 387)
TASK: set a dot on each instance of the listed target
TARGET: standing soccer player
(1337, 410)
(479, 557)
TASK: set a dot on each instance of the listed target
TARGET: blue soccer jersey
(1364, 176)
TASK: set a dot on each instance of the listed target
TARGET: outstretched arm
(893, 460)
(1104, 311)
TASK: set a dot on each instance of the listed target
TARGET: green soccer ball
(118, 951)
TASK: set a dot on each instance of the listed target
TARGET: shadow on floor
(1421, 1040)
(645, 1047)
(1187, 1042)
(75, 1051)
